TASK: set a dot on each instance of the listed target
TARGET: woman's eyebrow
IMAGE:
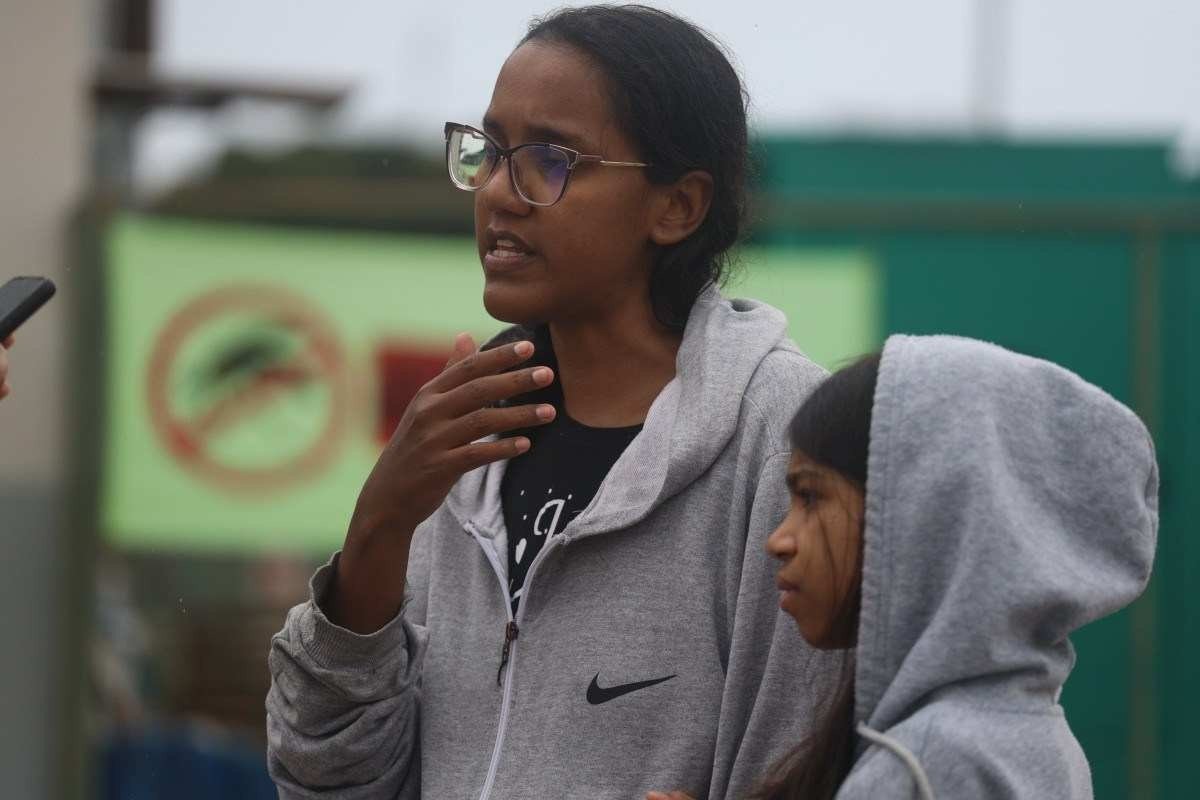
(549, 133)
(536, 133)
(492, 128)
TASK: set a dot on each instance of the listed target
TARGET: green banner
(253, 373)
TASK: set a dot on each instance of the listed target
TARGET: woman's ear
(682, 208)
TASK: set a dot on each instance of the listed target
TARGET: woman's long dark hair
(683, 105)
(833, 428)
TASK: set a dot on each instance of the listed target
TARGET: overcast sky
(1064, 67)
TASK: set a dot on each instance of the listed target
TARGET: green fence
(1087, 255)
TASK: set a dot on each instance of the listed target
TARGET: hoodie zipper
(510, 635)
(508, 655)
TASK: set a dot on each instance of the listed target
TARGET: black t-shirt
(552, 484)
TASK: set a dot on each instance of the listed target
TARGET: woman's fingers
(472, 456)
(675, 795)
(464, 345)
(481, 363)
(485, 391)
(485, 422)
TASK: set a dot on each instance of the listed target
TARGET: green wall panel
(1086, 253)
(1178, 567)
(1067, 299)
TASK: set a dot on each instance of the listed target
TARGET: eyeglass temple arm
(600, 160)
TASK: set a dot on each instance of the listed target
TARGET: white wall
(42, 163)
(43, 48)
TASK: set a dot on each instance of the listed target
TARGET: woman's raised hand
(436, 442)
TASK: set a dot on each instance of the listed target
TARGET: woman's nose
(500, 193)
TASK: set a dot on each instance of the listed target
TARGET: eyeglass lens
(539, 172)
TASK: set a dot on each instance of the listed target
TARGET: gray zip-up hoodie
(1008, 504)
(663, 576)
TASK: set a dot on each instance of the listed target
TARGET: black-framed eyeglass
(539, 171)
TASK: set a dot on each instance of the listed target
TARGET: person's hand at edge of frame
(5, 388)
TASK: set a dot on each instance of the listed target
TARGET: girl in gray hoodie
(957, 512)
(554, 582)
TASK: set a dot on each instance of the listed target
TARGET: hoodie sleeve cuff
(335, 647)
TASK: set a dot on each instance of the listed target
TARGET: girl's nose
(779, 543)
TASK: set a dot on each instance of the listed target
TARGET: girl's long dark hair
(833, 428)
(676, 95)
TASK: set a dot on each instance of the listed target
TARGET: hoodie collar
(688, 425)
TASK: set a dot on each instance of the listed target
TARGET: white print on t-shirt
(557, 505)
(550, 530)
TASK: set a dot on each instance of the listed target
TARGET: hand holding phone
(4, 347)
(19, 299)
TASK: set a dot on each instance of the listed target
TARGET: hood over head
(1009, 503)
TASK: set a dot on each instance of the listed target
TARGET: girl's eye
(806, 497)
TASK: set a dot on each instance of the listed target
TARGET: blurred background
(215, 183)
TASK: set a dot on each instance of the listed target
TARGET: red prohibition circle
(280, 307)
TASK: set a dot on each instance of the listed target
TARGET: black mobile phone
(19, 299)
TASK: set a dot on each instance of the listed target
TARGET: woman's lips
(501, 259)
(506, 251)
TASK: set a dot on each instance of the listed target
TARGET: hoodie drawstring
(924, 790)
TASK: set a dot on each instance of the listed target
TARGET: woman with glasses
(554, 581)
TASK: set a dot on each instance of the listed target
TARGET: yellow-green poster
(253, 373)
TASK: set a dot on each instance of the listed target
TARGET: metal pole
(992, 29)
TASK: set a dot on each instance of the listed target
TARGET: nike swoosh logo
(597, 694)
